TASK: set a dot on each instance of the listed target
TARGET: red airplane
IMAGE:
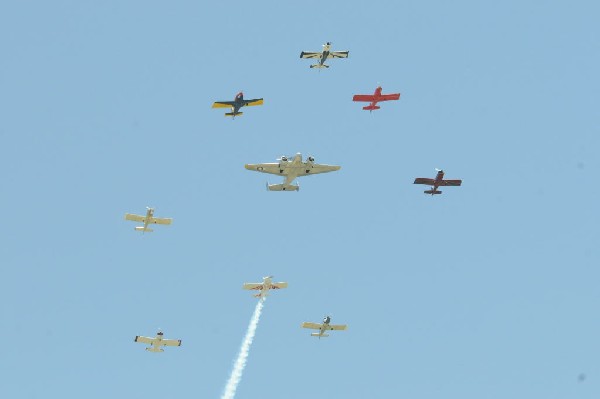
(375, 98)
(435, 183)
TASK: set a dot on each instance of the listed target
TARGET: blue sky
(487, 291)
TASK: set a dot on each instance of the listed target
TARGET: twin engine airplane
(236, 104)
(148, 219)
(291, 169)
(324, 55)
(265, 286)
(323, 327)
(375, 98)
(437, 182)
(157, 342)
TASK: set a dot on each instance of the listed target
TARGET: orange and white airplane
(265, 286)
(375, 98)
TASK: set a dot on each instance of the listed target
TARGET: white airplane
(291, 169)
(157, 342)
(324, 55)
(265, 286)
(148, 219)
(323, 327)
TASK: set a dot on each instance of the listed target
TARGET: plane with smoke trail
(240, 362)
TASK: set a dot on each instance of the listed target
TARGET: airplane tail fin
(432, 192)
(146, 230)
(371, 107)
(319, 335)
(234, 114)
(282, 187)
(319, 66)
(155, 350)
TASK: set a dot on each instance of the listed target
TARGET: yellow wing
(222, 104)
(258, 101)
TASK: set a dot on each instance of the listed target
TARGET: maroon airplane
(375, 98)
(437, 182)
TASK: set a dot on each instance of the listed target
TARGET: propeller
(438, 170)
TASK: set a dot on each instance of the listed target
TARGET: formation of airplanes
(289, 168)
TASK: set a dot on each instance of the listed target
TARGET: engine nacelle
(310, 159)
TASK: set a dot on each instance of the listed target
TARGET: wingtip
(247, 166)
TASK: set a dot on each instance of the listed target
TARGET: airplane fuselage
(149, 215)
(438, 180)
(238, 103)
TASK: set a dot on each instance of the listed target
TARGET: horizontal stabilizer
(141, 228)
(371, 107)
(154, 349)
(319, 66)
(319, 335)
(432, 192)
(282, 187)
(234, 114)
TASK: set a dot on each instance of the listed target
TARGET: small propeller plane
(148, 219)
(375, 98)
(324, 55)
(437, 182)
(323, 327)
(291, 169)
(265, 286)
(157, 342)
(236, 104)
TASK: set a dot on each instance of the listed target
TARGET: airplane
(236, 104)
(375, 98)
(437, 182)
(324, 55)
(291, 169)
(323, 327)
(265, 286)
(148, 219)
(157, 342)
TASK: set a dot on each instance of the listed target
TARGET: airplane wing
(145, 340)
(223, 104)
(161, 220)
(316, 169)
(272, 168)
(389, 97)
(309, 54)
(277, 286)
(337, 327)
(253, 286)
(135, 218)
(338, 54)
(171, 342)
(450, 182)
(256, 101)
(423, 180)
(363, 97)
(314, 326)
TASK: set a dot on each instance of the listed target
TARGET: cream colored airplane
(148, 219)
(323, 327)
(157, 342)
(265, 286)
(291, 169)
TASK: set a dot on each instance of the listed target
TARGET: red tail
(371, 107)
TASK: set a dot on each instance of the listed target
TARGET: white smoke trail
(240, 363)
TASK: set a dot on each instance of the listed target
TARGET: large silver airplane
(324, 55)
(157, 342)
(325, 326)
(291, 169)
